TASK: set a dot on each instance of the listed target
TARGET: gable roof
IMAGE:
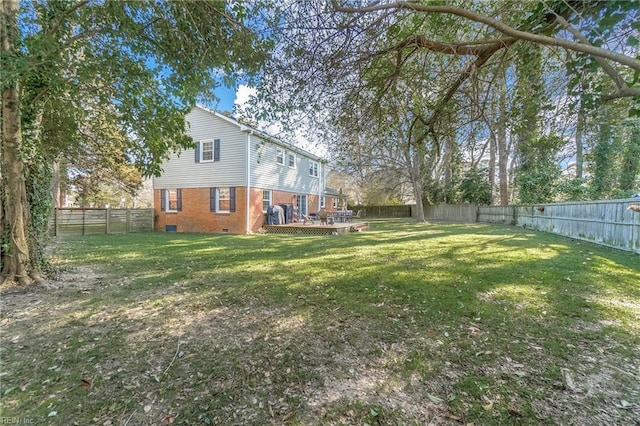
(260, 133)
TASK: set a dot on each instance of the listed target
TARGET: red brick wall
(196, 217)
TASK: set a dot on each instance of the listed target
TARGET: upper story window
(280, 156)
(208, 150)
(313, 168)
(291, 160)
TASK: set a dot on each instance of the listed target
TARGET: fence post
(83, 215)
(128, 220)
(108, 219)
(55, 222)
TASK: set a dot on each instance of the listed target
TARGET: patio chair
(322, 215)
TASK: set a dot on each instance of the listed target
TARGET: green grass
(401, 324)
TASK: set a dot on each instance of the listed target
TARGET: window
(208, 150)
(222, 200)
(301, 204)
(335, 203)
(266, 200)
(171, 200)
(280, 156)
(313, 168)
(322, 202)
(291, 160)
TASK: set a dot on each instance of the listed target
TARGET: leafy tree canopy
(109, 78)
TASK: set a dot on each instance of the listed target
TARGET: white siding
(181, 171)
(267, 174)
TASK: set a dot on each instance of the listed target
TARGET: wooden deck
(315, 229)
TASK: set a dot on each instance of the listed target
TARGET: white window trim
(263, 199)
(294, 160)
(213, 147)
(218, 210)
(167, 200)
(284, 155)
(314, 168)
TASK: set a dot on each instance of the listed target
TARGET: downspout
(248, 190)
(321, 186)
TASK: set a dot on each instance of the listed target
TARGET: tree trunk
(56, 190)
(579, 136)
(503, 154)
(15, 255)
(492, 164)
(630, 160)
(417, 193)
(414, 160)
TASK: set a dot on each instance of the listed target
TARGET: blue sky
(227, 96)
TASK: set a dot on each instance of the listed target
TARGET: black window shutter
(232, 199)
(179, 199)
(163, 200)
(197, 152)
(216, 150)
(212, 199)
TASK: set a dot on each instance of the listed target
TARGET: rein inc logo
(16, 421)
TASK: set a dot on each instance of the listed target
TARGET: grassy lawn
(402, 324)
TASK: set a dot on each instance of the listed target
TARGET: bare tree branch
(502, 27)
(615, 76)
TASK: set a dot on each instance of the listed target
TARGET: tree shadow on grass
(320, 330)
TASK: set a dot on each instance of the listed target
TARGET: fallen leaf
(85, 383)
(147, 408)
(434, 399)
(53, 414)
(624, 404)
(168, 419)
(489, 404)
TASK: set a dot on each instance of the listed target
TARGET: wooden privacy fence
(466, 213)
(607, 223)
(403, 210)
(78, 221)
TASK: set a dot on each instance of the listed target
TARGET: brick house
(235, 172)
